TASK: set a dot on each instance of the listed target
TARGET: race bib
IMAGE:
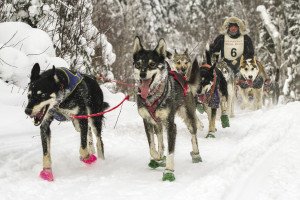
(233, 47)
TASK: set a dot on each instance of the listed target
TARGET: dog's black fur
(48, 97)
(271, 89)
(152, 74)
(206, 75)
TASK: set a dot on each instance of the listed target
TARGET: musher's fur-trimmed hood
(241, 23)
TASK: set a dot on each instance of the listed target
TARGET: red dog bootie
(92, 158)
(47, 175)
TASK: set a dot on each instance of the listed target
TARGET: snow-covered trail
(256, 158)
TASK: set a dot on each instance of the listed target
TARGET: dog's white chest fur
(161, 114)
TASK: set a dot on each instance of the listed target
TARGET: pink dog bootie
(92, 158)
(47, 175)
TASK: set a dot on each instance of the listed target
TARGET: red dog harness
(152, 107)
(181, 80)
(204, 98)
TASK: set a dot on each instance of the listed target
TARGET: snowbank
(20, 48)
(31, 41)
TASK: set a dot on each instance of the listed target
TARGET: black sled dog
(212, 93)
(58, 94)
(161, 96)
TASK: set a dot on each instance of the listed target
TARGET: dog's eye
(137, 65)
(186, 63)
(43, 95)
(246, 69)
(178, 62)
(152, 64)
(252, 69)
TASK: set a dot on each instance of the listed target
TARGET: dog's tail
(105, 105)
(194, 72)
(194, 78)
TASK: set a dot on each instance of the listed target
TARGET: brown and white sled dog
(160, 97)
(251, 83)
(229, 77)
(182, 63)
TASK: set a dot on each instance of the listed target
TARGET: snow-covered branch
(272, 30)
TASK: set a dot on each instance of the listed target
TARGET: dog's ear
(169, 55)
(242, 60)
(195, 64)
(208, 57)
(161, 48)
(254, 60)
(186, 52)
(35, 72)
(195, 71)
(137, 46)
(54, 74)
(53, 70)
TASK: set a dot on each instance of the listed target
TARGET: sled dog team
(164, 91)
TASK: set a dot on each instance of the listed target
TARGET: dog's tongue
(144, 87)
(250, 82)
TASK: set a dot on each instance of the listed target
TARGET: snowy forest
(97, 35)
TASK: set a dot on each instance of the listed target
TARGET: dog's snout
(143, 74)
(28, 111)
(250, 76)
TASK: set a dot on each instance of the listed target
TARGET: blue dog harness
(73, 81)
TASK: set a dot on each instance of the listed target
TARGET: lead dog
(161, 96)
(58, 94)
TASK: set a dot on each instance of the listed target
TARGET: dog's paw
(47, 175)
(196, 158)
(210, 135)
(91, 159)
(157, 163)
(225, 121)
(168, 175)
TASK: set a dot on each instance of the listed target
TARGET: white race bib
(233, 47)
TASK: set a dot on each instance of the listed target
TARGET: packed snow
(256, 158)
